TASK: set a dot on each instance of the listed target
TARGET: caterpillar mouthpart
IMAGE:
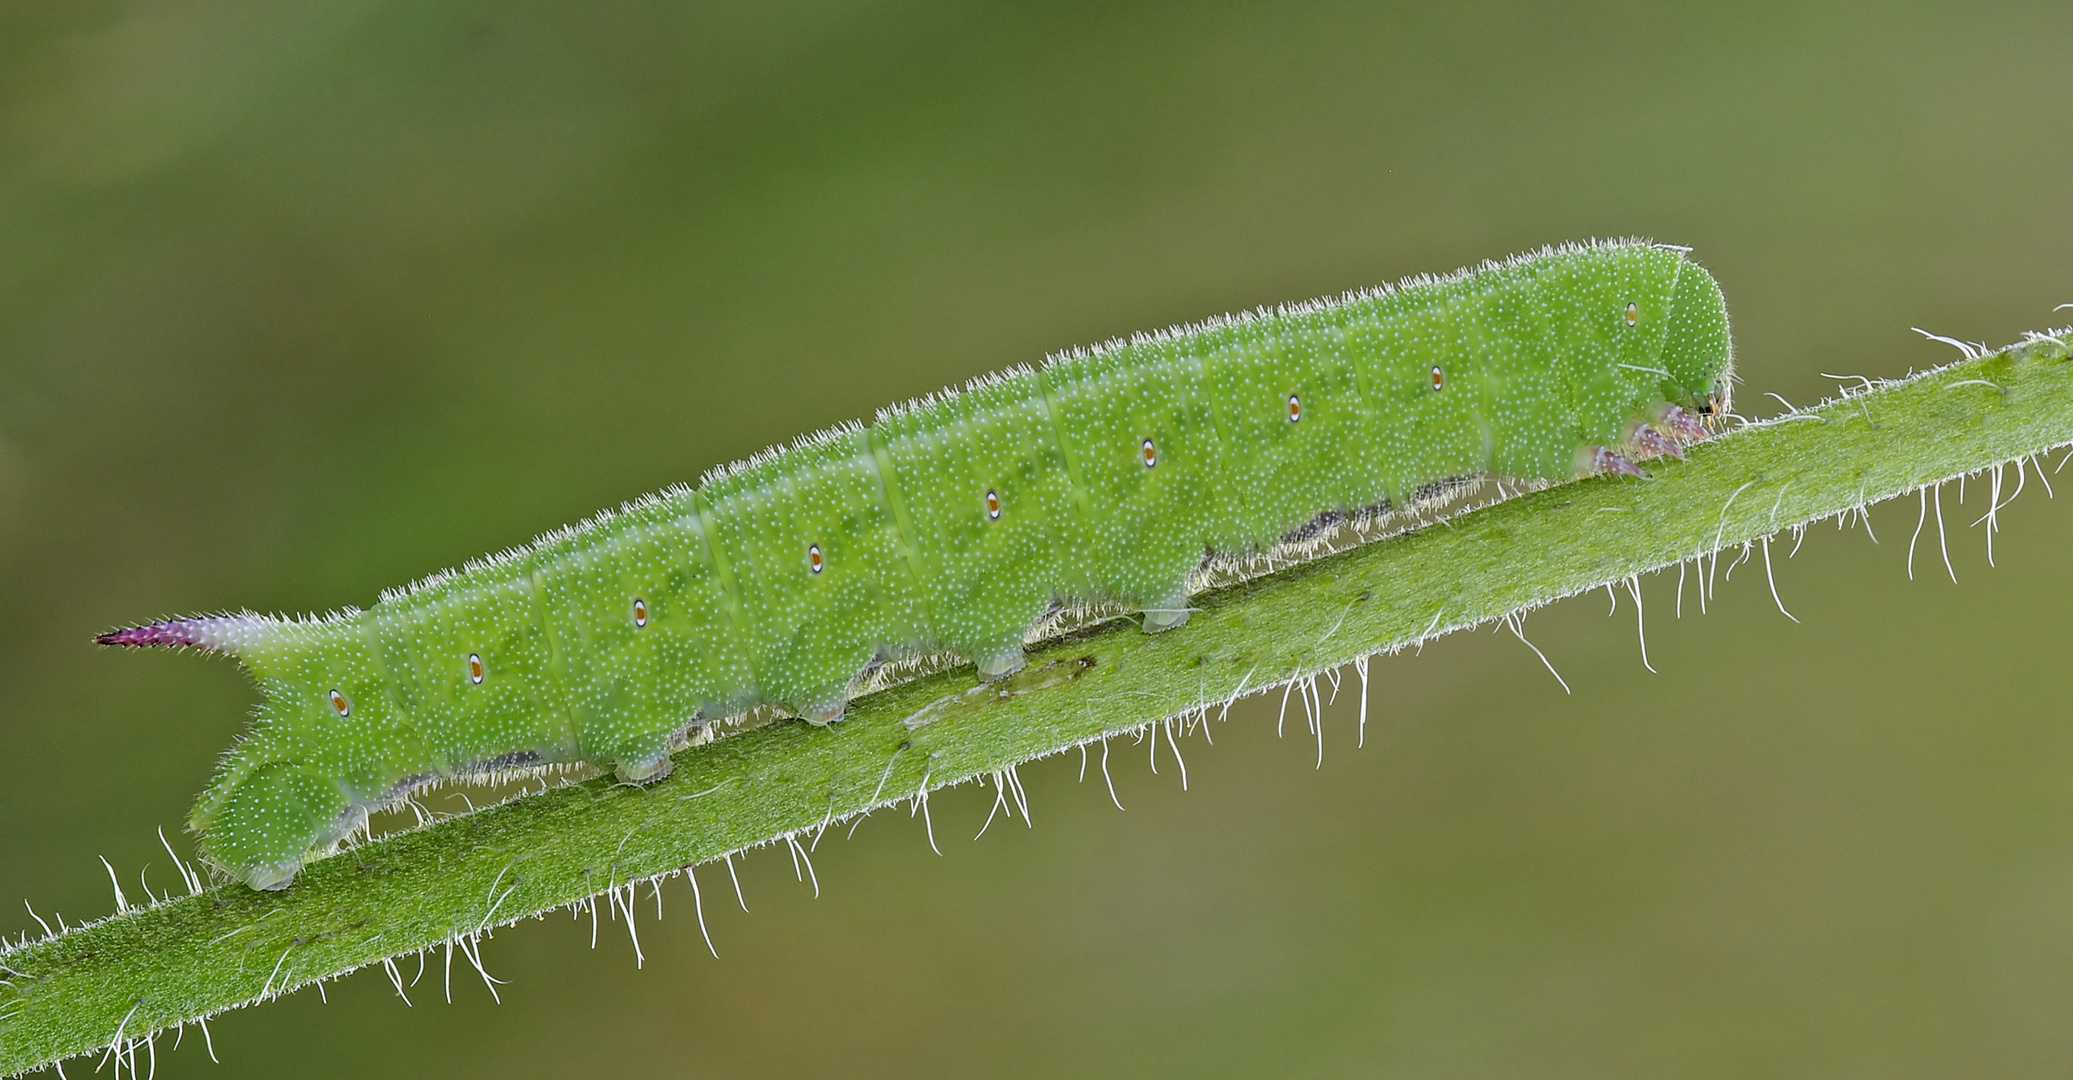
(228, 634)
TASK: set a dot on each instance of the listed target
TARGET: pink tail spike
(212, 633)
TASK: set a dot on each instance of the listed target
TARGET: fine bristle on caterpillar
(952, 524)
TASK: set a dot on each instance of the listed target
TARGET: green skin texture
(1541, 363)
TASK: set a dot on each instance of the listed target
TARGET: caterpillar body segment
(952, 524)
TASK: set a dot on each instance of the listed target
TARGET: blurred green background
(298, 301)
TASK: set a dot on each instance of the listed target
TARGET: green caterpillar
(951, 524)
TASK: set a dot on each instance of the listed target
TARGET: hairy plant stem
(116, 981)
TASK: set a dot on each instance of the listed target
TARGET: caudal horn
(231, 634)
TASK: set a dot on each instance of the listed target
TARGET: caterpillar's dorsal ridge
(814, 440)
(810, 444)
(977, 384)
(545, 540)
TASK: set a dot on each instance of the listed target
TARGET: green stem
(138, 972)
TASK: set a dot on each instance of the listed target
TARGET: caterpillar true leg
(1653, 443)
(1600, 460)
(1681, 424)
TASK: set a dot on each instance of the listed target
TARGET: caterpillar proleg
(952, 524)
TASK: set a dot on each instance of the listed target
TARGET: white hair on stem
(122, 904)
(1111, 781)
(1286, 689)
(1967, 349)
(1640, 621)
(738, 898)
(1922, 494)
(471, 947)
(1773, 578)
(1000, 802)
(1021, 797)
(1313, 710)
(921, 803)
(1513, 622)
(799, 855)
(1360, 664)
(698, 903)
(388, 964)
(1941, 542)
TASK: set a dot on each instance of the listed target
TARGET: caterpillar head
(1697, 352)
